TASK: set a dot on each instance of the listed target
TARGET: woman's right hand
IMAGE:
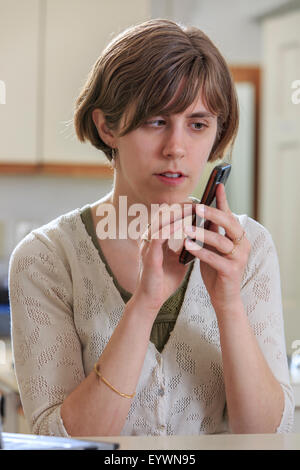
(160, 272)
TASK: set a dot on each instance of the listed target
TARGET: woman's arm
(255, 399)
(93, 409)
(244, 287)
(57, 397)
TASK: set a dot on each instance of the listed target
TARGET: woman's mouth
(171, 178)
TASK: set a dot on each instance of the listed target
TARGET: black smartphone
(218, 175)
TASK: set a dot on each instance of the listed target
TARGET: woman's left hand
(223, 257)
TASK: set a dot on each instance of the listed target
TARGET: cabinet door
(19, 58)
(280, 157)
(76, 33)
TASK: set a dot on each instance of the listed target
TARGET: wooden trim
(96, 171)
(17, 169)
(252, 74)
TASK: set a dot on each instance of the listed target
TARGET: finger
(167, 214)
(223, 219)
(172, 230)
(176, 240)
(144, 246)
(210, 238)
(216, 261)
(173, 233)
(151, 255)
(154, 256)
(221, 198)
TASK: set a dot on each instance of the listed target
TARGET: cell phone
(218, 175)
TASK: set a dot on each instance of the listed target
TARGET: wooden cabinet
(19, 52)
(47, 48)
(279, 201)
(75, 35)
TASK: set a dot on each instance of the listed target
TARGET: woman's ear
(104, 132)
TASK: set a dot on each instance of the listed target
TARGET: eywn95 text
(175, 458)
(181, 459)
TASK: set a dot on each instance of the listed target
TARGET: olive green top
(167, 315)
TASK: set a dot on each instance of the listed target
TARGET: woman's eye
(199, 125)
(156, 122)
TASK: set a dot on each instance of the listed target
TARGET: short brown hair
(143, 67)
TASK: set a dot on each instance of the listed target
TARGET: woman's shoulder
(56, 236)
(260, 238)
(253, 228)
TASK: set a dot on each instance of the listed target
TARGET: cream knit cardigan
(65, 307)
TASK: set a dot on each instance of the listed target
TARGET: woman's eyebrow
(201, 114)
(197, 114)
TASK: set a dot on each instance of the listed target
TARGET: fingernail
(200, 209)
(189, 229)
(191, 244)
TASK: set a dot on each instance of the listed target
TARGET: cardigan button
(161, 392)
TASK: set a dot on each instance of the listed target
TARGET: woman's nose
(174, 146)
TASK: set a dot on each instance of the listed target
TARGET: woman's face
(178, 143)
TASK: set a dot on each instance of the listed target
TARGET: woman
(113, 335)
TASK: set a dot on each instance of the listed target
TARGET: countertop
(206, 442)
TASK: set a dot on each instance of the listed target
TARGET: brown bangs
(172, 93)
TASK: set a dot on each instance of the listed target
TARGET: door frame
(252, 74)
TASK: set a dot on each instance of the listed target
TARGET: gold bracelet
(110, 385)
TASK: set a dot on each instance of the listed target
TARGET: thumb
(152, 252)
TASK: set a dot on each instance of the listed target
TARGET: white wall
(232, 24)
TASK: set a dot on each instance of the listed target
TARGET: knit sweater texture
(65, 307)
